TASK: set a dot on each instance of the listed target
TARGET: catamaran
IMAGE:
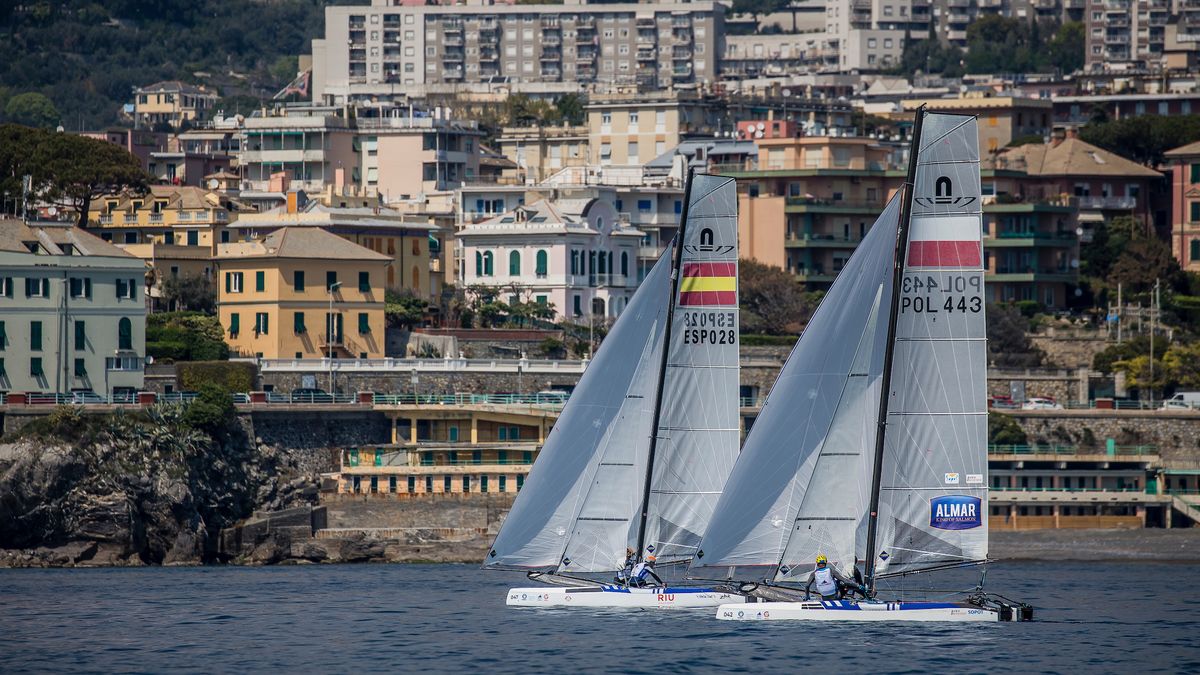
(871, 447)
(638, 457)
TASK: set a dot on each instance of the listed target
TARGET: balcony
(452, 27)
(1108, 203)
(647, 55)
(452, 74)
(1116, 39)
(550, 22)
(452, 57)
(489, 55)
(586, 21)
(813, 240)
(646, 22)
(453, 41)
(1031, 239)
(551, 40)
(551, 55)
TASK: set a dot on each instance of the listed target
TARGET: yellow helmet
(822, 559)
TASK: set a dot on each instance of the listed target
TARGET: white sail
(933, 500)
(809, 452)
(575, 510)
(698, 432)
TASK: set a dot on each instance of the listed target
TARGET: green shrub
(768, 340)
(185, 336)
(212, 411)
(231, 375)
(1004, 430)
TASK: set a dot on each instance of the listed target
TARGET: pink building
(1184, 163)
(574, 254)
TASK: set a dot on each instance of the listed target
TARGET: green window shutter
(239, 281)
(76, 287)
(228, 283)
(193, 238)
(3, 337)
(1196, 173)
(1195, 212)
(298, 281)
(298, 323)
(80, 336)
(35, 367)
(80, 368)
(35, 335)
(235, 324)
(364, 323)
(543, 300)
(478, 264)
(87, 287)
(364, 282)
(543, 263)
(121, 287)
(8, 287)
(1195, 257)
(260, 323)
(29, 288)
(260, 281)
(330, 280)
(3, 372)
(514, 264)
(124, 333)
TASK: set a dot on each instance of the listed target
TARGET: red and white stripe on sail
(945, 241)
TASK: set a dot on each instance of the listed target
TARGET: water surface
(1094, 617)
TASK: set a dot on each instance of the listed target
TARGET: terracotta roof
(299, 242)
(17, 236)
(174, 86)
(1184, 150)
(1073, 157)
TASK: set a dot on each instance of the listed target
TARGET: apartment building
(292, 293)
(171, 102)
(307, 145)
(1131, 32)
(387, 50)
(575, 255)
(749, 56)
(1002, 119)
(868, 35)
(540, 152)
(634, 128)
(363, 219)
(74, 317)
(1184, 164)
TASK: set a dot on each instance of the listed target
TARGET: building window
(364, 323)
(624, 263)
(1195, 212)
(488, 266)
(124, 333)
(632, 151)
(233, 282)
(503, 482)
(80, 336)
(125, 288)
(35, 335)
(364, 282)
(260, 281)
(6, 287)
(298, 323)
(577, 305)
(80, 288)
(514, 263)
(193, 238)
(261, 323)
(298, 281)
(645, 205)
(80, 368)
(37, 288)
(543, 264)
(1195, 257)
(35, 367)
(3, 336)
(330, 280)
(235, 324)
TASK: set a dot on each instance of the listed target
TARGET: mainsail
(803, 484)
(933, 498)
(586, 499)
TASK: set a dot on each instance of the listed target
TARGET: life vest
(641, 571)
(826, 583)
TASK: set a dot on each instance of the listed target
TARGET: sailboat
(871, 446)
(639, 455)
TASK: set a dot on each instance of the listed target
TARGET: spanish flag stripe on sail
(709, 283)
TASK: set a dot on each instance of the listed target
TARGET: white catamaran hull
(847, 610)
(620, 596)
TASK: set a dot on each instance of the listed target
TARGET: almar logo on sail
(955, 512)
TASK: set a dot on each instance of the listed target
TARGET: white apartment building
(389, 50)
(574, 254)
(72, 312)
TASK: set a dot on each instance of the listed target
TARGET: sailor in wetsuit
(829, 583)
(626, 568)
(643, 570)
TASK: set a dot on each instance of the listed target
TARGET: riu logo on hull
(943, 195)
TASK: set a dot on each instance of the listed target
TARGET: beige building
(405, 239)
(172, 102)
(301, 292)
(634, 128)
(73, 317)
(387, 49)
(1002, 119)
(540, 152)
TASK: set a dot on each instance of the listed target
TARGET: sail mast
(889, 350)
(676, 263)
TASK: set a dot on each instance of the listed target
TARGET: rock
(188, 548)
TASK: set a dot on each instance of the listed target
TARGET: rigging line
(699, 429)
(934, 413)
(940, 339)
(696, 366)
(966, 120)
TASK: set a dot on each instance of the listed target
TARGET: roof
(174, 86)
(1184, 150)
(713, 147)
(176, 196)
(58, 240)
(1074, 157)
(300, 243)
(976, 103)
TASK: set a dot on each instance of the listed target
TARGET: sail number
(710, 328)
(969, 288)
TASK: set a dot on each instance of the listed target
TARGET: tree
(1143, 138)
(757, 7)
(570, 109)
(16, 146)
(402, 308)
(212, 411)
(1004, 430)
(930, 56)
(185, 336)
(194, 292)
(1105, 360)
(1066, 49)
(32, 109)
(1009, 345)
(73, 170)
(771, 300)
(284, 69)
(1143, 261)
(1182, 365)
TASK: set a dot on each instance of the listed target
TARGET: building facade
(1184, 163)
(301, 292)
(575, 256)
(172, 102)
(74, 316)
(385, 50)
(540, 152)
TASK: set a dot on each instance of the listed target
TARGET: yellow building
(172, 102)
(301, 292)
(363, 220)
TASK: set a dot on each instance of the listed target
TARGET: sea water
(1090, 617)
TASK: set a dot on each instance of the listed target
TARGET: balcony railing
(1125, 450)
(1114, 203)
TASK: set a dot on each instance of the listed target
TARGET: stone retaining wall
(1176, 433)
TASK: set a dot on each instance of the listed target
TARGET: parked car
(307, 395)
(1002, 402)
(1183, 400)
(1036, 403)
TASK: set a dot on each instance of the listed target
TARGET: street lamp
(330, 324)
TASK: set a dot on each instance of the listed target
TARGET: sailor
(643, 570)
(830, 584)
(626, 568)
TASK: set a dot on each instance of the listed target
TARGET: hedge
(235, 376)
